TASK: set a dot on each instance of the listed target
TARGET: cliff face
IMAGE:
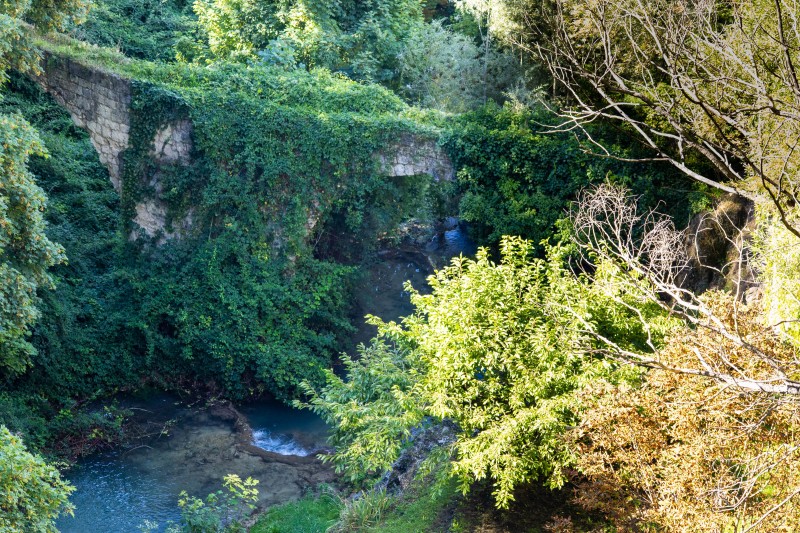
(718, 249)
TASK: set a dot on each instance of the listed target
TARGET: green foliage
(361, 37)
(226, 314)
(502, 350)
(308, 515)
(146, 29)
(778, 259)
(370, 412)
(219, 512)
(17, 50)
(32, 493)
(517, 179)
(362, 511)
(418, 510)
(442, 69)
(79, 338)
(501, 358)
(283, 161)
(283, 175)
(25, 251)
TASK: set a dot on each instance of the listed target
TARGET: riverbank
(197, 446)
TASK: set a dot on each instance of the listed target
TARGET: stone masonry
(173, 143)
(412, 156)
(98, 102)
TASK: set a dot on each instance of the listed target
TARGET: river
(192, 448)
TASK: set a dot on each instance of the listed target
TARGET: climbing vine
(240, 287)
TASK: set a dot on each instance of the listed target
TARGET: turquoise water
(118, 492)
(113, 495)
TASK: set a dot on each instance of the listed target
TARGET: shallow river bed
(118, 492)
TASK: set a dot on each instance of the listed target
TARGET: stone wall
(412, 156)
(173, 143)
(98, 102)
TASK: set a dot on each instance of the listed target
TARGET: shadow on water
(383, 294)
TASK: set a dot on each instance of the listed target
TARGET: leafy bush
(678, 449)
(146, 29)
(221, 511)
(25, 250)
(32, 493)
(442, 69)
(499, 349)
(517, 178)
(361, 38)
(371, 412)
(778, 261)
(78, 339)
(361, 512)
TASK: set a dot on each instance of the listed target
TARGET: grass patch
(312, 514)
(422, 509)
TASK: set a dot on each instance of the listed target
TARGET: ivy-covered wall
(143, 126)
(276, 183)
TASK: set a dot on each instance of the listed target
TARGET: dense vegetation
(577, 347)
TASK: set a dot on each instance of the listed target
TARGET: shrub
(32, 493)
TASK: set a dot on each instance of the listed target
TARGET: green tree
(502, 350)
(361, 37)
(517, 179)
(444, 69)
(25, 251)
(32, 493)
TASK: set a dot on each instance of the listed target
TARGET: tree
(25, 251)
(698, 82)
(711, 433)
(678, 450)
(361, 37)
(650, 258)
(446, 70)
(491, 349)
(32, 493)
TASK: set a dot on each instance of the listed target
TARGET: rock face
(423, 442)
(98, 101)
(412, 156)
(173, 143)
(719, 250)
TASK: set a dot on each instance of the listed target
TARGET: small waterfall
(278, 443)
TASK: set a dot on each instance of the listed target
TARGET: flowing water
(193, 448)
